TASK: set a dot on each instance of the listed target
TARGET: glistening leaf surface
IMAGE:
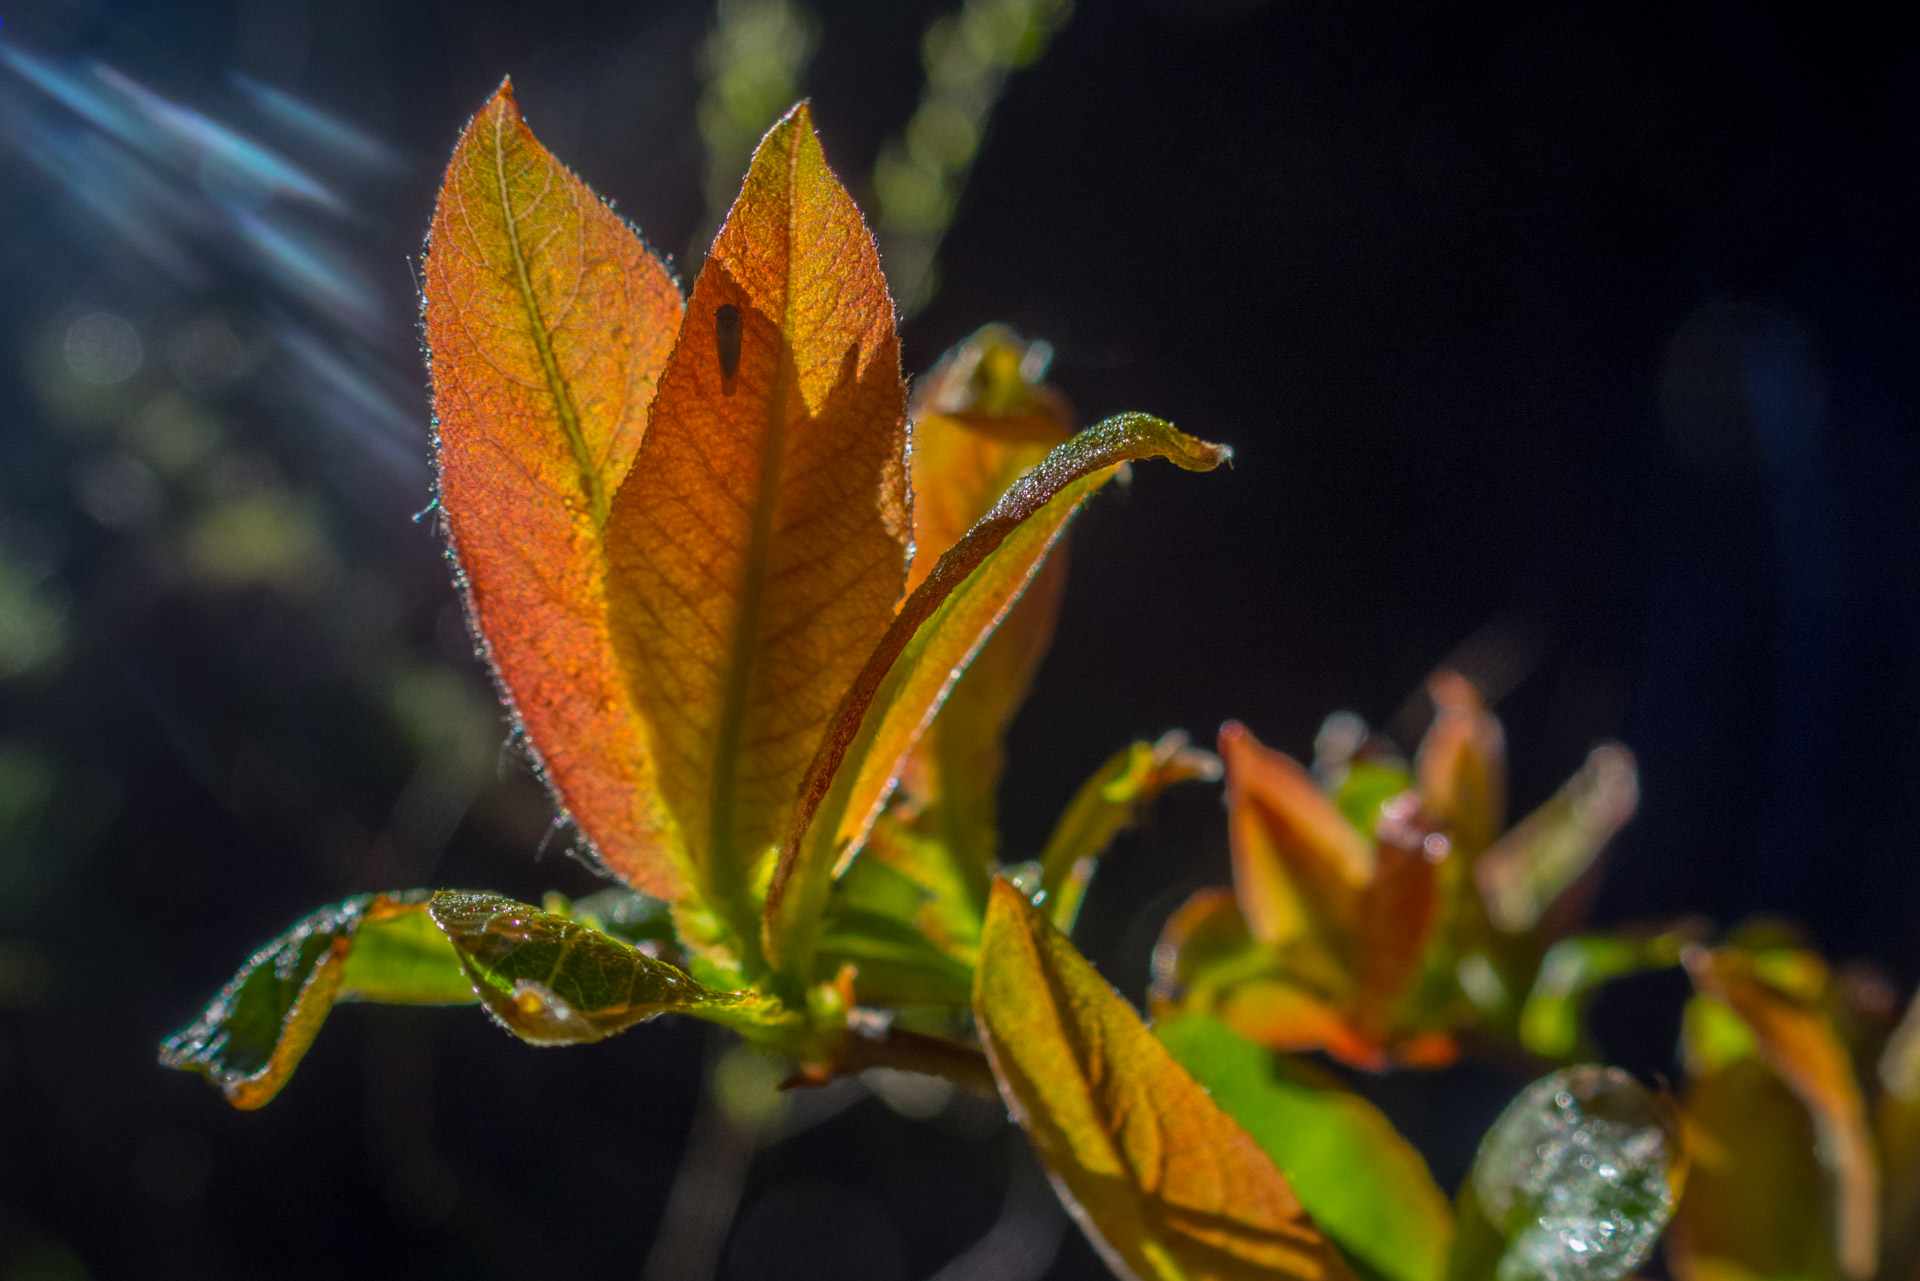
(374, 948)
(1365, 1186)
(760, 545)
(1573, 1183)
(937, 631)
(548, 323)
(1164, 1182)
(551, 980)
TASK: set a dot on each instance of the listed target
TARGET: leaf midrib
(727, 871)
(591, 485)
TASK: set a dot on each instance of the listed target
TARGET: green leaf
(376, 947)
(545, 977)
(1106, 805)
(551, 980)
(1551, 1019)
(1165, 1183)
(1364, 1185)
(938, 630)
(1574, 1181)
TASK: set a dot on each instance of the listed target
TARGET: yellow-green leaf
(1106, 805)
(1164, 1182)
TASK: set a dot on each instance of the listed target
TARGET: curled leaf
(759, 546)
(1106, 805)
(1573, 969)
(1365, 1186)
(936, 633)
(1163, 1181)
(1527, 869)
(1575, 1180)
(551, 980)
(981, 419)
(548, 323)
(377, 947)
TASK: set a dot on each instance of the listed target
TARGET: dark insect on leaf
(726, 336)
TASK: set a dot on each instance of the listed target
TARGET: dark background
(1575, 341)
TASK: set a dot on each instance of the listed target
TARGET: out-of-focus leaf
(1365, 1186)
(1896, 1124)
(1527, 869)
(1462, 765)
(1550, 1021)
(911, 942)
(938, 629)
(1106, 805)
(377, 947)
(1164, 1182)
(1575, 1180)
(759, 546)
(1778, 995)
(551, 980)
(1298, 864)
(548, 323)
(1364, 787)
(981, 419)
(1756, 1196)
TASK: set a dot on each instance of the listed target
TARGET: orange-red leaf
(548, 323)
(1298, 865)
(1462, 765)
(1164, 1182)
(760, 545)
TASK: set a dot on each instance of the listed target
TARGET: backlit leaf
(1896, 1124)
(981, 419)
(1778, 995)
(1365, 1186)
(1298, 864)
(551, 980)
(759, 546)
(1462, 765)
(1527, 869)
(1106, 805)
(1575, 1180)
(377, 947)
(938, 630)
(1164, 1182)
(548, 323)
(1756, 1198)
